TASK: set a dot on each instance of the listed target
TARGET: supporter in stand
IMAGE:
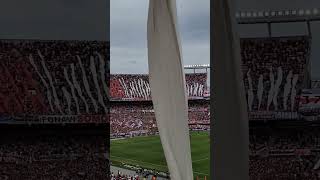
(284, 153)
(133, 120)
(21, 82)
(53, 157)
(136, 87)
(263, 56)
(121, 176)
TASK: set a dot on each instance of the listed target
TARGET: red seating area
(273, 70)
(137, 119)
(33, 78)
(136, 87)
(284, 153)
(53, 157)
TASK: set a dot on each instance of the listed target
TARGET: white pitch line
(200, 159)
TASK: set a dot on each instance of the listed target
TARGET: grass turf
(147, 152)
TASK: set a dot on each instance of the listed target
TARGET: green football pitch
(147, 152)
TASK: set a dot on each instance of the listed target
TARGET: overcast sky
(129, 33)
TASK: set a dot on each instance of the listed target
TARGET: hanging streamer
(168, 90)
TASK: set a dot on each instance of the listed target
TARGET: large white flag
(167, 82)
(230, 124)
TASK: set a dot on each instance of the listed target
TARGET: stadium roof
(197, 66)
(293, 15)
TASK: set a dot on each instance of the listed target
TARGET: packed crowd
(54, 157)
(53, 77)
(276, 139)
(283, 168)
(128, 119)
(285, 153)
(273, 71)
(130, 86)
(136, 86)
(122, 176)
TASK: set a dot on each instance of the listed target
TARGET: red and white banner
(135, 87)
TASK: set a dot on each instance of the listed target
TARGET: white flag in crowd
(78, 86)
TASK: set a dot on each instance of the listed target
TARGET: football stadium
(151, 87)
(135, 142)
(282, 100)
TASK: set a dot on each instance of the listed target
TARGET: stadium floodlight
(315, 11)
(301, 12)
(254, 14)
(308, 12)
(294, 12)
(287, 13)
(243, 14)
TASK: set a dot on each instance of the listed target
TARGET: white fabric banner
(230, 125)
(168, 89)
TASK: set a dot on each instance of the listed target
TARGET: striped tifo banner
(137, 87)
(167, 82)
(53, 78)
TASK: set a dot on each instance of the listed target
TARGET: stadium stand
(122, 176)
(274, 74)
(284, 151)
(274, 70)
(131, 111)
(309, 104)
(54, 152)
(136, 86)
(54, 109)
(138, 118)
(54, 77)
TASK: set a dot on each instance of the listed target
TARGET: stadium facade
(132, 111)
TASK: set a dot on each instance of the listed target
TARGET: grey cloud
(128, 28)
(129, 31)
